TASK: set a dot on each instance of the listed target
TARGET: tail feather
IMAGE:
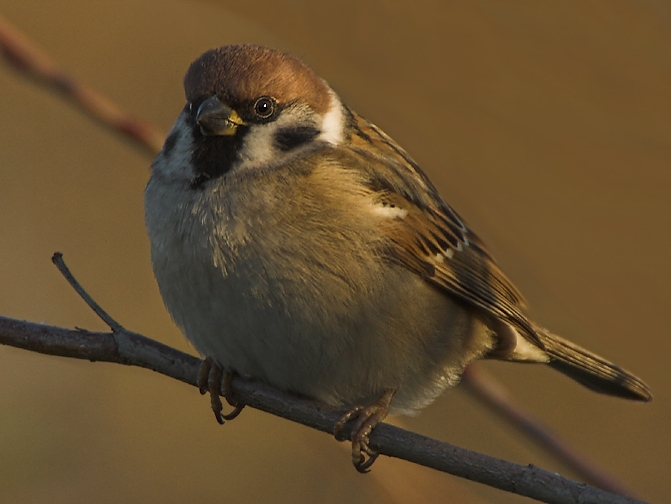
(589, 369)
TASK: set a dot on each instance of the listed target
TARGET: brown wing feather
(432, 239)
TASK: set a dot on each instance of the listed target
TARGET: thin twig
(57, 259)
(492, 394)
(27, 58)
(136, 350)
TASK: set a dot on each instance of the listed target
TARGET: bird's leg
(367, 418)
(213, 379)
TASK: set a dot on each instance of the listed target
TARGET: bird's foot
(213, 379)
(366, 419)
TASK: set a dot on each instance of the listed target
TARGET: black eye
(264, 107)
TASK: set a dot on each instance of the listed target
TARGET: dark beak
(216, 118)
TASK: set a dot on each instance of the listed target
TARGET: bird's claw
(213, 379)
(366, 419)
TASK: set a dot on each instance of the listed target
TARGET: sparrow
(295, 243)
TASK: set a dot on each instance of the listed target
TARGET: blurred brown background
(547, 125)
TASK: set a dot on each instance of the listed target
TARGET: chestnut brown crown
(245, 72)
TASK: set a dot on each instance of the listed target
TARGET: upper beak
(217, 118)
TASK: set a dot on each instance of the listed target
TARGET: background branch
(133, 349)
(490, 392)
(23, 55)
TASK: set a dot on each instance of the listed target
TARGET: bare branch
(132, 349)
(25, 57)
(492, 394)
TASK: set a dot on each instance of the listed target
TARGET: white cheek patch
(333, 122)
(175, 162)
(258, 147)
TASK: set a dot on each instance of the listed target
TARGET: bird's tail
(589, 369)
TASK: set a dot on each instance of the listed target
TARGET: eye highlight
(264, 107)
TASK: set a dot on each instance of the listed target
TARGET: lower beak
(217, 118)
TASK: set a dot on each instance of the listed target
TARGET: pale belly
(312, 332)
(323, 315)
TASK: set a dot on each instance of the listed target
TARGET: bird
(295, 243)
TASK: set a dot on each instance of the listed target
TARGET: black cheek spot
(170, 142)
(289, 138)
